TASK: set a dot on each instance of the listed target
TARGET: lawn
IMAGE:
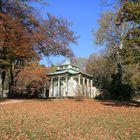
(67, 119)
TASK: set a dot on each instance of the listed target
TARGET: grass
(69, 120)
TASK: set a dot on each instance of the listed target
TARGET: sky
(84, 14)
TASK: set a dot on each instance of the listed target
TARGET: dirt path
(10, 101)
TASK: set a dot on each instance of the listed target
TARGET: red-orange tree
(15, 46)
(33, 77)
(24, 38)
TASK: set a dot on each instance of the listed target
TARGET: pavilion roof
(67, 70)
(70, 71)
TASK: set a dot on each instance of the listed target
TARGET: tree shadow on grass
(114, 103)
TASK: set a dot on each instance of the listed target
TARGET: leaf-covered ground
(69, 120)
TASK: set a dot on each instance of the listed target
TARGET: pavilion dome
(67, 62)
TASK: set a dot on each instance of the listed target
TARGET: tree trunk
(11, 83)
(1, 87)
(3, 84)
(0, 5)
(119, 66)
(119, 57)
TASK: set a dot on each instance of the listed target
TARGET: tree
(132, 75)
(101, 67)
(130, 13)
(24, 38)
(33, 76)
(15, 46)
(112, 36)
(81, 63)
(119, 32)
(54, 37)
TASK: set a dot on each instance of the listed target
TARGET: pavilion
(68, 81)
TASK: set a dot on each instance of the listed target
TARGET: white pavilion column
(87, 82)
(87, 90)
(91, 83)
(51, 88)
(79, 79)
(84, 85)
(58, 86)
(83, 81)
(66, 77)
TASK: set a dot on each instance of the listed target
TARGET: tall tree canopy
(119, 32)
(101, 67)
(130, 13)
(24, 38)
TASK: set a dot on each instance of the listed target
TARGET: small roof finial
(67, 62)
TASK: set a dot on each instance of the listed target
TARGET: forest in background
(117, 70)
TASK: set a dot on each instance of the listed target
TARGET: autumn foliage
(24, 39)
(33, 76)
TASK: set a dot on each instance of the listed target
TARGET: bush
(121, 92)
